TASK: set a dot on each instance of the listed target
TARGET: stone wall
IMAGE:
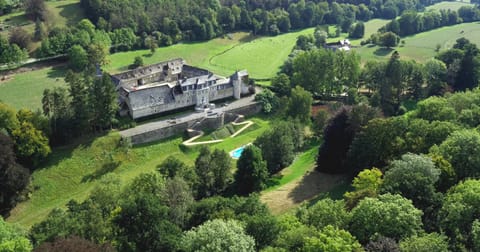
(211, 122)
(246, 110)
(159, 134)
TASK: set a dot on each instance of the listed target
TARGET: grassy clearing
(63, 13)
(25, 90)
(371, 27)
(73, 172)
(421, 47)
(261, 56)
(454, 6)
(304, 163)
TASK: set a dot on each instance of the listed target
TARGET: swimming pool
(238, 151)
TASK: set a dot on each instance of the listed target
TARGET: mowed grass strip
(71, 173)
(302, 164)
(25, 90)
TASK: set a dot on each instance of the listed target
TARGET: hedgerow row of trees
(411, 22)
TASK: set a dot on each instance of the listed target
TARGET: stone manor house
(171, 85)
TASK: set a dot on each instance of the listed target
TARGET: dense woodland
(415, 169)
(125, 25)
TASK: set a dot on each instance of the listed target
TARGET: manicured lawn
(261, 56)
(421, 47)
(25, 90)
(73, 172)
(455, 5)
(301, 165)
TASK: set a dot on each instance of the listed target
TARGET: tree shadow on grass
(383, 51)
(106, 168)
(315, 183)
(72, 12)
(57, 72)
(65, 151)
(274, 180)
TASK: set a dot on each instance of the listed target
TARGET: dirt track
(296, 192)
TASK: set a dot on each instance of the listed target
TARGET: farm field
(453, 5)
(421, 47)
(73, 172)
(261, 56)
(25, 90)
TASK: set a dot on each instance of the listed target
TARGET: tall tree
(31, 145)
(332, 239)
(460, 150)
(213, 172)
(461, 207)
(390, 92)
(218, 236)
(36, 9)
(78, 89)
(13, 239)
(144, 225)
(366, 184)
(103, 102)
(394, 217)
(277, 146)
(13, 177)
(252, 172)
(425, 243)
(300, 105)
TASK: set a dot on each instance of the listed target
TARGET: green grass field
(73, 172)
(25, 90)
(301, 165)
(421, 47)
(261, 56)
(63, 13)
(455, 5)
(371, 27)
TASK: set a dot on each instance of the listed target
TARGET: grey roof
(147, 70)
(148, 97)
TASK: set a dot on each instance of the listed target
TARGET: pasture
(261, 56)
(25, 90)
(421, 47)
(371, 27)
(448, 5)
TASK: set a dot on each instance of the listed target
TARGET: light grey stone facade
(171, 85)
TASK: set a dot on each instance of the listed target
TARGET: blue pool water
(237, 152)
